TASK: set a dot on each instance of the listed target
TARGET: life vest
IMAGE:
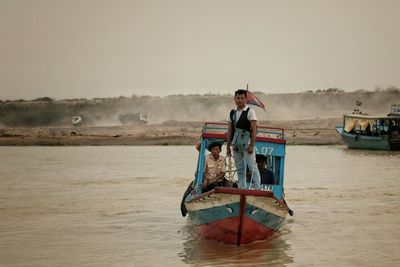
(242, 123)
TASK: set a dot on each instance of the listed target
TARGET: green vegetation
(45, 111)
(30, 115)
(46, 98)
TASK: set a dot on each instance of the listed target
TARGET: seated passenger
(368, 130)
(214, 169)
(267, 176)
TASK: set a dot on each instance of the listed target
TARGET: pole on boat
(200, 167)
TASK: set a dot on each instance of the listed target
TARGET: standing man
(243, 119)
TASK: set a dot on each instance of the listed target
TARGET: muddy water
(119, 206)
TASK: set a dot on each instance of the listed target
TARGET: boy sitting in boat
(215, 168)
(267, 176)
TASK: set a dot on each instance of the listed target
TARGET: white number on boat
(265, 150)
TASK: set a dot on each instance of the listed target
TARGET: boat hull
(364, 142)
(236, 216)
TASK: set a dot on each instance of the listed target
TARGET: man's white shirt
(251, 115)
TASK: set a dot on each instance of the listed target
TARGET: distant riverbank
(299, 132)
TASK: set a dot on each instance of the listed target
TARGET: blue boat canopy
(270, 142)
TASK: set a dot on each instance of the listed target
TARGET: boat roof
(364, 116)
(218, 130)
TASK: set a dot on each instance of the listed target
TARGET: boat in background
(239, 216)
(362, 131)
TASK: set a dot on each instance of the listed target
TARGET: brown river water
(119, 206)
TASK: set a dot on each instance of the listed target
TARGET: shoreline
(135, 141)
(299, 132)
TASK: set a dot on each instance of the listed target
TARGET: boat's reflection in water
(198, 251)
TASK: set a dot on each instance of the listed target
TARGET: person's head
(240, 98)
(215, 149)
(261, 161)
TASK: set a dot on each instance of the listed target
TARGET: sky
(103, 48)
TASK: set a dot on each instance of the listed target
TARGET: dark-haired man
(215, 168)
(243, 119)
(267, 176)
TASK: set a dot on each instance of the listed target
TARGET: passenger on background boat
(215, 168)
(267, 176)
(242, 121)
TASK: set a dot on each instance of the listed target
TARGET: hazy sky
(100, 48)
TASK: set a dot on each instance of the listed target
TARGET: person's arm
(221, 174)
(205, 182)
(218, 177)
(204, 185)
(253, 125)
(228, 139)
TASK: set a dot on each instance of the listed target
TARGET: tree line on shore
(331, 102)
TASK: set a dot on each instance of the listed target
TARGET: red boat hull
(226, 231)
(236, 216)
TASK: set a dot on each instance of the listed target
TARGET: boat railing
(264, 133)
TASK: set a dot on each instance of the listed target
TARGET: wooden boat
(239, 216)
(375, 132)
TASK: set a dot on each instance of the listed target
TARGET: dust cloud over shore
(309, 118)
